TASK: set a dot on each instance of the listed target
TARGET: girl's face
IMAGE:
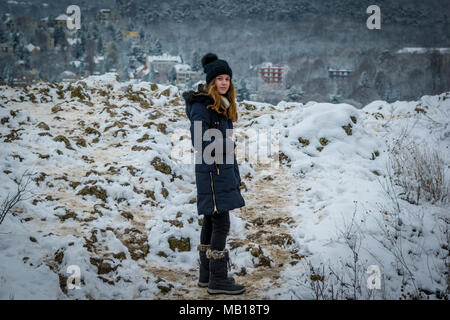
(222, 83)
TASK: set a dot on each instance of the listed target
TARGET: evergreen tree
(59, 36)
(242, 91)
(172, 75)
(20, 51)
(118, 35)
(79, 47)
(295, 94)
(100, 46)
(16, 40)
(364, 80)
(156, 48)
(111, 31)
(3, 34)
(196, 62)
(141, 55)
(111, 57)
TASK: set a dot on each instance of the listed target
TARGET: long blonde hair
(218, 106)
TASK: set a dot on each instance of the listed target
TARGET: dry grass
(419, 169)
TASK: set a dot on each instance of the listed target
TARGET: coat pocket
(226, 181)
(202, 180)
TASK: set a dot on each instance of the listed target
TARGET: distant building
(10, 24)
(131, 35)
(50, 42)
(61, 20)
(271, 73)
(107, 15)
(28, 77)
(183, 74)
(163, 60)
(160, 66)
(26, 22)
(32, 49)
(338, 73)
(6, 48)
(43, 22)
(104, 15)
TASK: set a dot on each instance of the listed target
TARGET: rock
(135, 241)
(90, 130)
(81, 142)
(161, 127)
(56, 109)
(258, 221)
(149, 194)
(145, 137)
(102, 266)
(43, 125)
(165, 289)
(183, 244)
(348, 129)
(127, 215)
(94, 191)
(164, 192)
(69, 215)
(176, 223)
(284, 158)
(59, 256)
(304, 142)
(323, 141)
(160, 166)
(281, 239)
(166, 92)
(120, 255)
(66, 141)
(263, 261)
(248, 106)
(78, 92)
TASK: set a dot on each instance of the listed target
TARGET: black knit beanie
(213, 67)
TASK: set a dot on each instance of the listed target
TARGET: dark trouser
(215, 230)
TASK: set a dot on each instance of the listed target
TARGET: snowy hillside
(109, 196)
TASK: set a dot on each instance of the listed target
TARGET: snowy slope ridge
(109, 199)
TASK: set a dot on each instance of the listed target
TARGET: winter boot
(204, 267)
(218, 283)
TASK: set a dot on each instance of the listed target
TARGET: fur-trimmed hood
(201, 95)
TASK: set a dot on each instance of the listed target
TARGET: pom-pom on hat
(213, 66)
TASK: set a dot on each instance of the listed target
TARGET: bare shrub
(343, 280)
(22, 193)
(395, 225)
(419, 169)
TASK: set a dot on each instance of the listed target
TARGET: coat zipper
(214, 195)
(217, 169)
(217, 166)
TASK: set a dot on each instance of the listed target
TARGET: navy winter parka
(218, 184)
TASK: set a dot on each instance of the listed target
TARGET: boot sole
(205, 284)
(221, 291)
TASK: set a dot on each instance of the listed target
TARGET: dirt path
(268, 222)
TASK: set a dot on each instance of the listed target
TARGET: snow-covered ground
(112, 201)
